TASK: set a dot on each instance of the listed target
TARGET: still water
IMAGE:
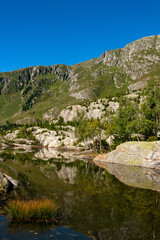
(106, 202)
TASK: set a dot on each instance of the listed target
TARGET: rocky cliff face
(35, 90)
(19, 78)
(137, 58)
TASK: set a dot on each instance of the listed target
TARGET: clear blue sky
(48, 32)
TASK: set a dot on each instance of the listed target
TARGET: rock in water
(7, 183)
(143, 154)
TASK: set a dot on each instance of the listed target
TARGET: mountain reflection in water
(94, 202)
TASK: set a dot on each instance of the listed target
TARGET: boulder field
(141, 154)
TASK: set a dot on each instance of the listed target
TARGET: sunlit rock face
(139, 177)
(143, 154)
(72, 112)
(95, 110)
(53, 139)
(136, 58)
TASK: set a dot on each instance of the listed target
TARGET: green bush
(26, 134)
(152, 138)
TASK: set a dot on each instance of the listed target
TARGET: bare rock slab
(142, 154)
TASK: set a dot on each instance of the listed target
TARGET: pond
(97, 202)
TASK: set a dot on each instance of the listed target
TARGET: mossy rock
(144, 154)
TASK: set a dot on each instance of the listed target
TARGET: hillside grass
(9, 108)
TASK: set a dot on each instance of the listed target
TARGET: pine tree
(151, 105)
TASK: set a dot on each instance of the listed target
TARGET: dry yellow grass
(33, 210)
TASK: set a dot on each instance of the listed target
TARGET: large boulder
(143, 154)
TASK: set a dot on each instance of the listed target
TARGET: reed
(33, 211)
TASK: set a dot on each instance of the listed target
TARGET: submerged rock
(143, 154)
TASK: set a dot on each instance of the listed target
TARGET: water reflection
(93, 201)
(134, 176)
(47, 153)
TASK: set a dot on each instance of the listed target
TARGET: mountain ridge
(35, 90)
(39, 65)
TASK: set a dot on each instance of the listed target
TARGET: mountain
(33, 91)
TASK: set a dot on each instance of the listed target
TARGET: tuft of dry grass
(33, 211)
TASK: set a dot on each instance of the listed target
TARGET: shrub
(60, 121)
(152, 138)
(8, 127)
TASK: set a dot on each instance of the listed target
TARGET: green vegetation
(151, 105)
(93, 129)
(26, 134)
(4, 128)
(132, 120)
(33, 211)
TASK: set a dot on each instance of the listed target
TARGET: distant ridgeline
(31, 92)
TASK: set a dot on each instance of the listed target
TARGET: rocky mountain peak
(135, 58)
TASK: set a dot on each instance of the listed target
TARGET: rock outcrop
(72, 112)
(52, 139)
(95, 110)
(142, 154)
(135, 57)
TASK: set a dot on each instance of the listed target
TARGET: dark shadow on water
(13, 231)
